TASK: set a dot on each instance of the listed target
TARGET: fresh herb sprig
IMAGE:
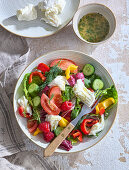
(109, 92)
(36, 115)
(51, 98)
(68, 94)
(51, 75)
(76, 109)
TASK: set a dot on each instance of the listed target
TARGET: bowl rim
(79, 10)
(43, 35)
(67, 152)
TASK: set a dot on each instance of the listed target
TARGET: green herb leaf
(25, 88)
(109, 92)
(24, 113)
(87, 82)
(97, 134)
(59, 62)
(73, 141)
(106, 114)
(75, 112)
(93, 77)
(68, 94)
(36, 113)
(51, 75)
(37, 80)
(51, 98)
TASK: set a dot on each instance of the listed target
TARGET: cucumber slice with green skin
(36, 101)
(97, 84)
(88, 70)
(33, 89)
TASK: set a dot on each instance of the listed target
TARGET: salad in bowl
(53, 95)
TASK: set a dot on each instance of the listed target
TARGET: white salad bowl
(80, 59)
(94, 8)
(35, 28)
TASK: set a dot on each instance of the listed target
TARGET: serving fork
(59, 139)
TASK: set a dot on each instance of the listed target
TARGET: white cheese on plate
(51, 9)
(60, 4)
(52, 18)
(98, 126)
(85, 95)
(54, 121)
(47, 4)
(59, 81)
(27, 14)
(25, 104)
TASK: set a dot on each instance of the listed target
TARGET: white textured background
(112, 153)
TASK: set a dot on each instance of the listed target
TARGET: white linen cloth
(13, 59)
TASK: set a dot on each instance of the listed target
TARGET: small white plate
(95, 8)
(80, 59)
(35, 28)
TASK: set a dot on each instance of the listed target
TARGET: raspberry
(45, 127)
(66, 106)
(48, 136)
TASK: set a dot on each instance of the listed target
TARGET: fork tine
(96, 92)
(98, 95)
(97, 102)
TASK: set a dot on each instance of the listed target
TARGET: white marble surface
(113, 151)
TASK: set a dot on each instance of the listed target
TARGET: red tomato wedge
(57, 99)
(32, 125)
(49, 106)
(21, 112)
(64, 63)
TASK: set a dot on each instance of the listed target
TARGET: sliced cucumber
(33, 89)
(36, 101)
(97, 84)
(88, 70)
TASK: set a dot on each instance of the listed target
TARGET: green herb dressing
(93, 27)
